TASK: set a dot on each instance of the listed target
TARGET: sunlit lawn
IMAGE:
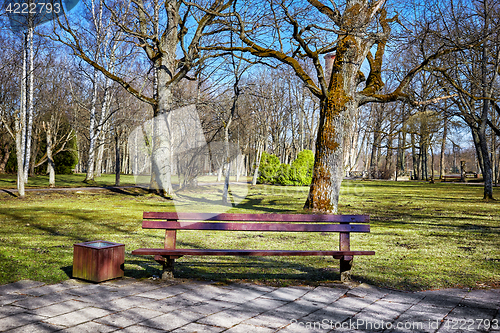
(425, 236)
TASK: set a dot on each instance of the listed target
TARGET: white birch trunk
(29, 106)
(21, 145)
(92, 136)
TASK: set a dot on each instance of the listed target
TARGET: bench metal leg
(345, 269)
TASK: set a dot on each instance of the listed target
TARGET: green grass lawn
(425, 235)
(9, 181)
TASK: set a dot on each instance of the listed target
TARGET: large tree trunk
(336, 113)
(161, 157)
(485, 164)
(328, 165)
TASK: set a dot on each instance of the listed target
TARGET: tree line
(368, 85)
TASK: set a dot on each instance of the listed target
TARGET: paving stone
(411, 322)
(425, 316)
(139, 329)
(18, 286)
(19, 319)
(78, 317)
(210, 307)
(124, 281)
(123, 303)
(300, 307)
(471, 312)
(380, 311)
(172, 320)
(486, 294)
(206, 290)
(162, 293)
(128, 317)
(243, 328)
(302, 328)
(403, 297)
(355, 304)
(256, 287)
(445, 293)
(47, 289)
(367, 291)
(180, 301)
(11, 298)
(227, 318)
(45, 300)
(160, 306)
(59, 308)
(271, 319)
(90, 327)
(260, 304)
(240, 295)
(8, 310)
(330, 315)
(139, 288)
(198, 328)
(288, 293)
(324, 294)
(90, 289)
(481, 303)
(102, 297)
(39, 327)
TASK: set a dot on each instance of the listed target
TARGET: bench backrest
(236, 222)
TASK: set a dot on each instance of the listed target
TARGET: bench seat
(230, 252)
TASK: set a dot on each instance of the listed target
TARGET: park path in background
(128, 305)
(90, 188)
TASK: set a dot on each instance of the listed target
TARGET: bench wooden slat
(223, 252)
(175, 225)
(256, 217)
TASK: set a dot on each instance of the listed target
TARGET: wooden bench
(172, 222)
(458, 177)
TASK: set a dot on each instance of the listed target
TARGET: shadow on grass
(9, 193)
(68, 270)
(81, 229)
(135, 193)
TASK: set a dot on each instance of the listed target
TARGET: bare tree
(472, 74)
(160, 29)
(302, 33)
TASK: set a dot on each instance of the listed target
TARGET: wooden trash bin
(98, 260)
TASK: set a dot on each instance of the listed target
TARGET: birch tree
(160, 29)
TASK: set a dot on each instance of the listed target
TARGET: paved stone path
(128, 305)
